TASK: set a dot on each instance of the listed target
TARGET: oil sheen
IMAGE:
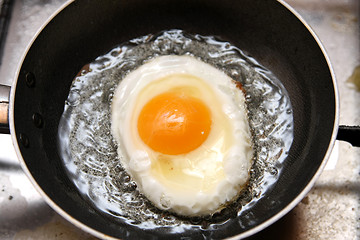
(89, 151)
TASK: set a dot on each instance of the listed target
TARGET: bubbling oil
(89, 151)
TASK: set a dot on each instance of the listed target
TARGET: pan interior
(85, 30)
(94, 164)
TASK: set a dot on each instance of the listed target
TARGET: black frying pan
(85, 29)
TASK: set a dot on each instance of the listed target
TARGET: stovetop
(330, 211)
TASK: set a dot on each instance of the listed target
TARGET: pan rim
(242, 235)
(311, 183)
(15, 142)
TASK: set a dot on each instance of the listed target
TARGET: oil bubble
(73, 98)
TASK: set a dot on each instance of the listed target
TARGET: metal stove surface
(330, 211)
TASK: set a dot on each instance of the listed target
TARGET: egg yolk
(174, 123)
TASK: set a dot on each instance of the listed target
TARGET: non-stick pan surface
(85, 29)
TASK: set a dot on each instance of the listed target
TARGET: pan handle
(350, 134)
(4, 109)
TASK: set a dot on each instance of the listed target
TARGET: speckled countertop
(330, 211)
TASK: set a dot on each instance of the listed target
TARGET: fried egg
(183, 134)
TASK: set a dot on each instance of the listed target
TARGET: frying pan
(82, 30)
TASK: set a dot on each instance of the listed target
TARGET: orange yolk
(174, 123)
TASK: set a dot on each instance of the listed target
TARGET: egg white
(206, 178)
